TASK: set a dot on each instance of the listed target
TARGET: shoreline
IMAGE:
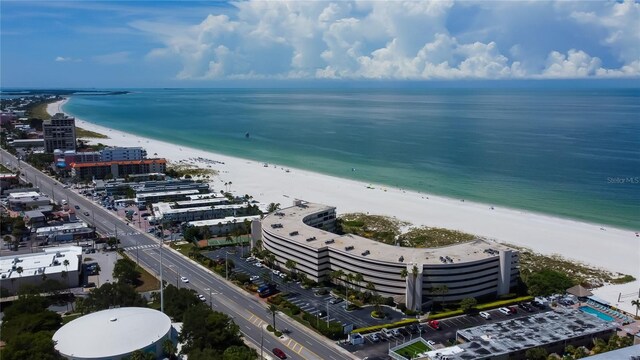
(609, 248)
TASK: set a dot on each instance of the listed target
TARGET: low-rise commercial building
(33, 268)
(73, 231)
(510, 339)
(23, 201)
(181, 211)
(164, 196)
(225, 225)
(25, 143)
(304, 234)
(99, 170)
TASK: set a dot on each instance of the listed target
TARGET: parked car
(505, 311)
(395, 332)
(387, 333)
(77, 207)
(250, 259)
(321, 313)
(254, 278)
(431, 343)
(374, 338)
(434, 324)
(86, 213)
(484, 315)
(403, 331)
(258, 264)
(335, 300)
(513, 309)
(282, 275)
(279, 353)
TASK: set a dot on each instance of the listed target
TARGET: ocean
(567, 153)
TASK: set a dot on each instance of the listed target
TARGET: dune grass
(83, 133)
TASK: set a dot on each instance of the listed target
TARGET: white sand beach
(602, 246)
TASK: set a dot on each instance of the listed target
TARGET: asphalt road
(246, 310)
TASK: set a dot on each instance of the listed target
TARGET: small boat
(246, 135)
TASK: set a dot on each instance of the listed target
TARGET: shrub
(369, 329)
(389, 301)
(378, 314)
(402, 307)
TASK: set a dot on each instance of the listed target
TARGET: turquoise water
(568, 153)
(594, 312)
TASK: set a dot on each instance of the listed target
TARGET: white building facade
(303, 233)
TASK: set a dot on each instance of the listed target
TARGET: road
(246, 310)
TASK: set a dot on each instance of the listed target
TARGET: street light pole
(161, 282)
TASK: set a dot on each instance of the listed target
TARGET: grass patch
(83, 133)
(374, 328)
(428, 237)
(579, 273)
(376, 227)
(3, 169)
(412, 350)
(148, 281)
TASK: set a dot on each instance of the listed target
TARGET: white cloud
(66, 59)
(386, 40)
(119, 57)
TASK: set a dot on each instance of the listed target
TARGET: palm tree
(636, 303)
(291, 265)
(230, 183)
(440, 290)
(19, 270)
(358, 278)
(273, 207)
(336, 275)
(66, 267)
(404, 273)
(169, 349)
(273, 310)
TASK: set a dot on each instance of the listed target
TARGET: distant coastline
(61, 92)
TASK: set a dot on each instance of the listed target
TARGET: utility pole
(161, 282)
(226, 264)
(327, 314)
(261, 341)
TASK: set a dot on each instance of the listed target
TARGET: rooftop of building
(225, 220)
(119, 162)
(51, 261)
(168, 208)
(288, 223)
(63, 227)
(537, 330)
(167, 193)
(27, 195)
(111, 333)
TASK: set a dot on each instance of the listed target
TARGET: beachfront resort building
(120, 186)
(33, 268)
(305, 234)
(123, 153)
(59, 132)
(192, 210)
(225, 225)
(98, 170)
(510, 339)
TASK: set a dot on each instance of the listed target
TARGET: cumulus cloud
(384, 40)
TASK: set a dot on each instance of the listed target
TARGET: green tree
(141, 355)
(169, 349)
(203, 328)
(404, 273)
(291, 266)
(358, 278)
(126, 271)
(204, 354)
(31, 346)
(177, 301)
(112, 294)
(536, 353)
(273, 207)
(468, 304)
(546, 282)
(239, 353)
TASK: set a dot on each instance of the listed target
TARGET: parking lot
(443, 337)
(307, 299)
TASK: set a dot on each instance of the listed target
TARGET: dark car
(336, 300)
(403, 331)
(322, 314)
(279, 353)
(513, 309)
(77, 207)
(413, 328)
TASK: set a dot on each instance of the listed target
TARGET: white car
(184, 279)
(431, 343)
(485, 315)
(282, 275)
(202, 297)
(505, 311)
(374, 337)
(258, 264)
(254, 278)
(275, 272)
(250, 259)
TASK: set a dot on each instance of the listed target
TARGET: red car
(513, 309)
(279, 353)
(435, 324)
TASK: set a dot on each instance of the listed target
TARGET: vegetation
(27, 328)
(585, 275)
(370, 329)
(428, 237)
(410, 351)
(109, 295)
(536, 353)
(83, 133)
(468, 304)
(40, 161)
(39, 111)
(333, 330)
(126, 271)
(381, 228)
(546, 282)
(179, 171)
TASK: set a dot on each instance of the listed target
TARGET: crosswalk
(141, 247)
(288, 342)
(113, 234)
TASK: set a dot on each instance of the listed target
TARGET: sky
(206, 44)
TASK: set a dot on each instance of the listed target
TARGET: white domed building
(113, 334)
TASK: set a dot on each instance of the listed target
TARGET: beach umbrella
(579, 291)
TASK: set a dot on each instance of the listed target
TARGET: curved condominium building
(305, 234)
